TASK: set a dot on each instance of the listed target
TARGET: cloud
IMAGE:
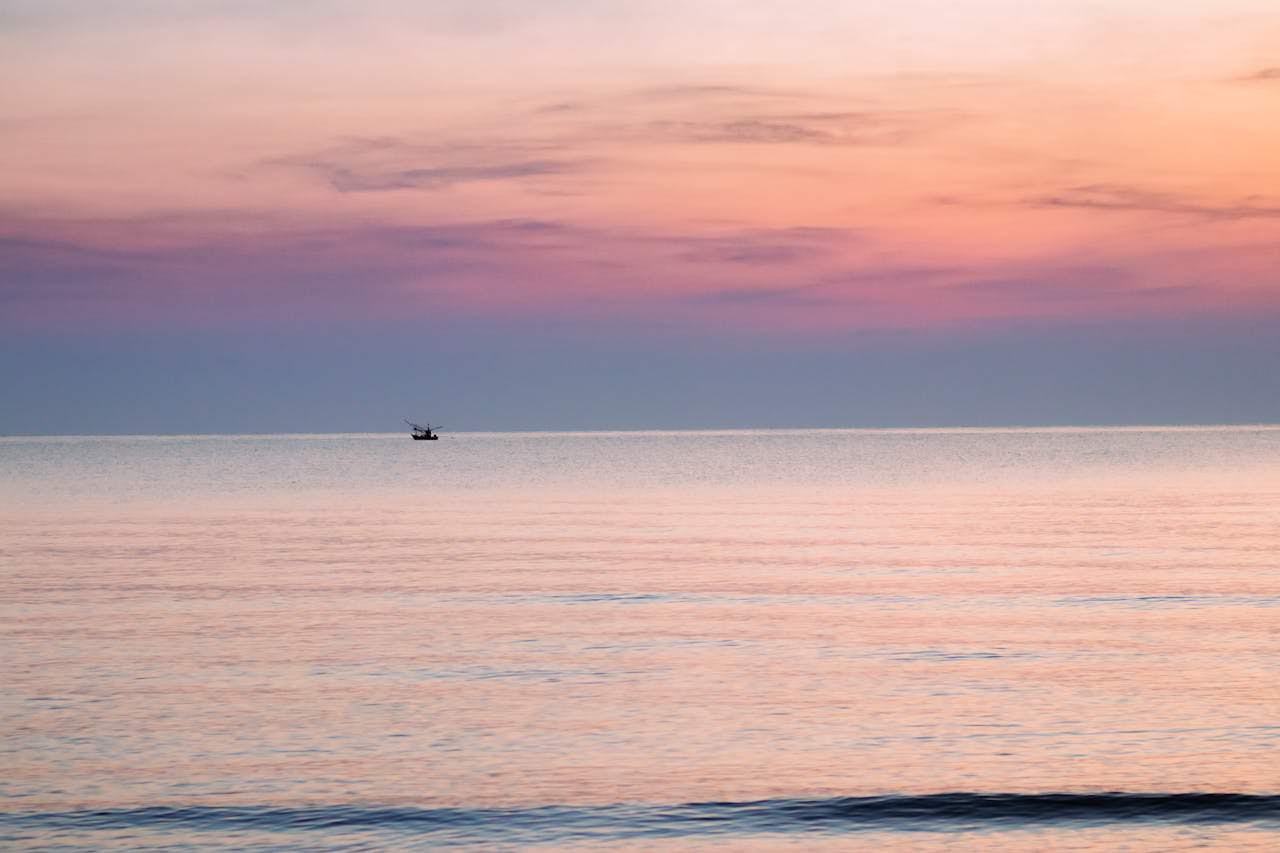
(215, 269)
(128, 269)
(1263, 75)
(798, 296)
(727, 113)
(1117, 197)
(740, 131)
(383, 164)
(890, 272)
(668, 97)
(877, 285)
(562, 140)
(756, 247)
(1049, 285)
(812, 128)
(50, 270)
(219, 268)
(747, 253)
(1078, 289)
(348, 180)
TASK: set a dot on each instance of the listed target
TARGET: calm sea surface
(963, 639)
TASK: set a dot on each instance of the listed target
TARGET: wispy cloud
(386, 163)
(735, 114)
(558, 107)
(881, 284)
(855, 128)
(739, 131)
(1048, 289)
(540, 267)
(761, 246)
(1073, 284)
(1039, 289)
(565, 141)
(345, 179)
(1118, 197)
(142, 265)
(1126, 198)
(1262, 75)
(805, 296)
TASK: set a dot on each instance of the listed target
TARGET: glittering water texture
(912, 639)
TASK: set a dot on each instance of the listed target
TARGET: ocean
(1020, 639)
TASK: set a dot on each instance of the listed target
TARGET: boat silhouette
(422, 433)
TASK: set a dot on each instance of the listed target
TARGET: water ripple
(957, 812)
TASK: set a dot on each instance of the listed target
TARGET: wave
(956, 812)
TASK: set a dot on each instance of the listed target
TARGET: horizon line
(989, 428)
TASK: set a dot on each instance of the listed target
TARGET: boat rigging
(423, 433)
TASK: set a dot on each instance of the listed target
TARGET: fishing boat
(422, 433)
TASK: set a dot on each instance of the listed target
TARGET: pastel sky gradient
(239, 215)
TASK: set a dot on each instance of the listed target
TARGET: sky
(234, 216)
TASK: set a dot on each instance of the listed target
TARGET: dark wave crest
(956, 812)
